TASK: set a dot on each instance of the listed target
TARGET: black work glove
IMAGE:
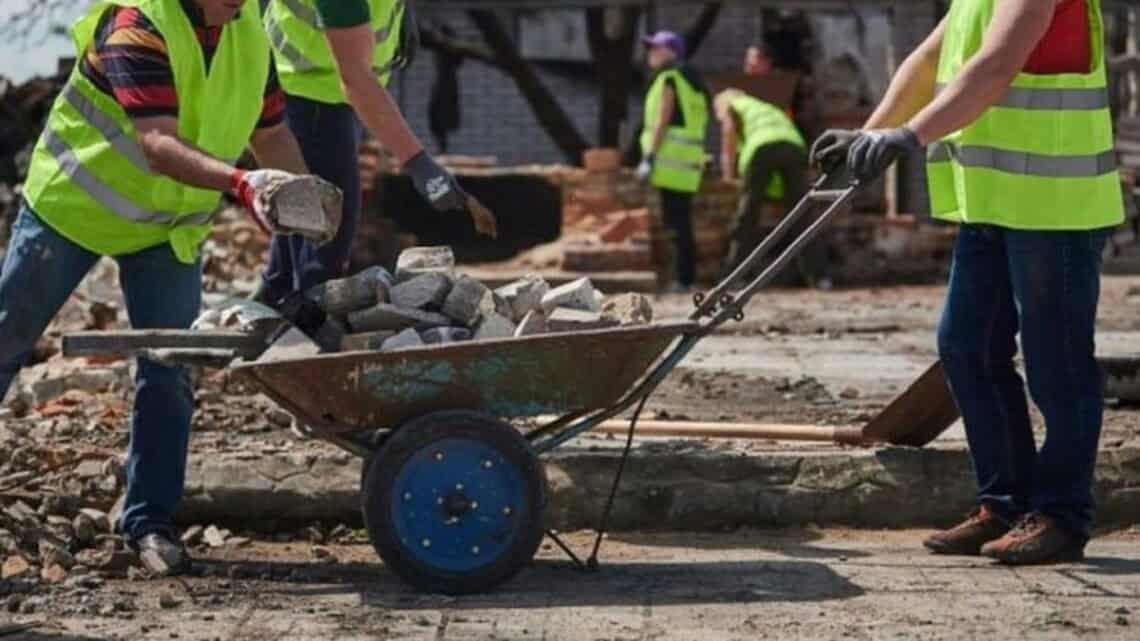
(435, 184)
(830, 149)
(877, 149)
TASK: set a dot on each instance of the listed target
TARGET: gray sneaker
(160, 555)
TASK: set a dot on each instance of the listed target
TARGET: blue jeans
(1044, 285)
(40, 271)
(329, 136)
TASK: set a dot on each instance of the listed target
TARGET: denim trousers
(40, 271)
(329, 136)
(1044, 287)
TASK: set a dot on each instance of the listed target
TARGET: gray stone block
(385, 316)
(343, 296)
(629, 309)
(523, 295)
(578, 294)
(494, 326)
(365, 341)
(421, 260)
(406, 339)
(467, 301)
(533, 323)
(438, 335)
(572, 320)
(426, 291)
(290, 345)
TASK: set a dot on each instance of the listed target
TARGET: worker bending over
(132, 163)
(1009, 98)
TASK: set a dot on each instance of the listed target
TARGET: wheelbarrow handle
(835, 190)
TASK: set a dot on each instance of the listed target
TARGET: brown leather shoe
(1037, 539)
(982, 526)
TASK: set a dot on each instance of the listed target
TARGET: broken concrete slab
(571, 320)
(494, 325)
(365, 341)
(629, 309)
(533, 323)
(406, 339)
(292, 344)
(421, 260)
(425, 291)
(467, 301)
(523, 295)
(305, 205)
(578, 294)
(343, 296)
(439, 335)
(388, 317)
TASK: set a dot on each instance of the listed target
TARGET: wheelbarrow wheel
(453, 502)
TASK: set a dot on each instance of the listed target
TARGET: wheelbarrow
(452, 493)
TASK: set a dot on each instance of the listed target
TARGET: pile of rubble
(426, 302)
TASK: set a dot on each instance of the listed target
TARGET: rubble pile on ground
(427, 302)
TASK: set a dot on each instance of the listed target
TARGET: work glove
(645, 168)
(877, 149)
(830, 149)
(437, 186)
(248, 186)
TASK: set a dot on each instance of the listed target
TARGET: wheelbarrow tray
(556, 373)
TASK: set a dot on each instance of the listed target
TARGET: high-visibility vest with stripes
(88, 178)
(762, 124)
(305, 62)
(680, 160)
(1041, 157)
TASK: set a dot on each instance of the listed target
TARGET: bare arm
(664, 117)
(276, 148)
(912, 88)
(1016, 28)
(169, 155)
(728, 145)
(352, 48)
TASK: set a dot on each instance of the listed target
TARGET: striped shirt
(129, 61)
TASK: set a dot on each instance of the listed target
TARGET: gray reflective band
(669, 163)
(1051, 99)
(684, 139)
(383, 32)
(304, 13)
(123, 142)
(108, 197)
(282, 46)
(1022, 163)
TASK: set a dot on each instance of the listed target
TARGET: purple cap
(669, 39)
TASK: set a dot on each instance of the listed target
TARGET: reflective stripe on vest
(123, 142)
(1049, 99)
(679, 164)
(305, 14)
(282, 46)
(1025, 164)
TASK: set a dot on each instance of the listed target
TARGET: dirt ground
(809, 585)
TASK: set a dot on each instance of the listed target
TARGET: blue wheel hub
(456, 504)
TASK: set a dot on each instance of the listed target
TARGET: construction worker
(761, 147)
(1010, 100)
(334, 58)
(673, 144)
(132, 163)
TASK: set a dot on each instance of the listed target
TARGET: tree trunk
(697, 32)
(612, 33)
(550, 114)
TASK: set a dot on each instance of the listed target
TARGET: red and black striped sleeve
(128, 59)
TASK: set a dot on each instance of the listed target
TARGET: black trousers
(676, 209)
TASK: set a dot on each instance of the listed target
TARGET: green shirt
(343, 13)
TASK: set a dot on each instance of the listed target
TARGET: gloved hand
(645, 168)
(875, 150)
(435, 184)
(247, 187)
(830, 149)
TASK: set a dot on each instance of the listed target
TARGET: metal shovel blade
(919, 415)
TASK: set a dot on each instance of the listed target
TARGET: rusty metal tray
(559, 373)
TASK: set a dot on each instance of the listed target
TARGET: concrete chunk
(406, 339)
(467, 301)
(571, 320)
(494, 326)
(629, 309)
(304, 205)
(578, 294)
(343, 296)
(438, 335)
(292, 344)
(421, 260)
(533, 323)
(523, 295)
(388, 317)
(365, 341)
(426, 291)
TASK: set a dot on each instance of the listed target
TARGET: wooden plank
(135, 340)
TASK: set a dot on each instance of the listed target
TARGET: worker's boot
(1037, 539)
(967, 538)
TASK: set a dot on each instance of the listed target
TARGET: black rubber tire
(420, 433)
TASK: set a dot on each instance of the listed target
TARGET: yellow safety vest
(680, 160)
